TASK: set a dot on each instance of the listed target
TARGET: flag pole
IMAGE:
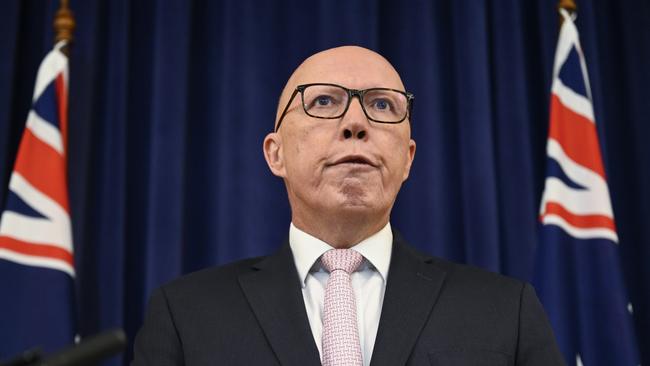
(64, 25)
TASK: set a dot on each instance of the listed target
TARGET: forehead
(356, 68)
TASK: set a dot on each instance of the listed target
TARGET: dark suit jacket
(434, 313)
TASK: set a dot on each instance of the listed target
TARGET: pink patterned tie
(341, 346)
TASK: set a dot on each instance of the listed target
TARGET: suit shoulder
(460, 273)
(210, 279)
(465, 275)
(468, 279)
(471, 277)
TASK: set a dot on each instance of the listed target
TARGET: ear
(409, 158)
(274, 155)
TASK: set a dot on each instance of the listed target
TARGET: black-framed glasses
(331, 101)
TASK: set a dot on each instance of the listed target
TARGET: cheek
(303, 163)
(303, 139)
(395, 148)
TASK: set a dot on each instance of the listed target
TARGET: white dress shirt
(368, 282)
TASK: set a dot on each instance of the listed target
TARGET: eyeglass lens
(329, 101)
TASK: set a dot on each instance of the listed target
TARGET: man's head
(342, 174)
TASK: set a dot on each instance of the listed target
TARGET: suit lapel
(273, 291)
(411, 292)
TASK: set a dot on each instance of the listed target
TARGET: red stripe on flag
(577, 135)
(581, 221)
(62, 104)
(43, 167)
(37, 250)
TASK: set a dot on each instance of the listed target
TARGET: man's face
(343, 166)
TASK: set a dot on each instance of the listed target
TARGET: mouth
(359, 160)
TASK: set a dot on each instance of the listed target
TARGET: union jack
(578, 272)
(36, 255)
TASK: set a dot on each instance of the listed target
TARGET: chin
(356, 203)
(352, 199)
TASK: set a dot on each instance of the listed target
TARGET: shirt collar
(306, 250)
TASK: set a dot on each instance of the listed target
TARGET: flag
(578, 272)
(36, 255)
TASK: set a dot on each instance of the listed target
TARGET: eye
(323, 100)
(381, 104)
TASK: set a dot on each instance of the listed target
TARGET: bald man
(345, 289)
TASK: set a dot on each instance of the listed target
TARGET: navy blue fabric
(34, 300)
(15, 204)
(554, 169)
(583, 278)
(42, 106)
(571, 73)
(170, 101)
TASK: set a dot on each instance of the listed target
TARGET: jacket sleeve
(536, 344)
(158, 343)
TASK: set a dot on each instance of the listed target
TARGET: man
(345, 290)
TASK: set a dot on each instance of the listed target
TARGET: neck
(341, 231)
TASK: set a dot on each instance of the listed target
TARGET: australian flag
(36, 256)
(578, 273)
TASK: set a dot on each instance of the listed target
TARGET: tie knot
(347, 260)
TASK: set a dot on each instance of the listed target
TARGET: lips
(354, 159)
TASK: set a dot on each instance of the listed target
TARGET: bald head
(350, 66)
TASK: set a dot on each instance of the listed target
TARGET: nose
(354, 124)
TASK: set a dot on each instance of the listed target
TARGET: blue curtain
(170, 101)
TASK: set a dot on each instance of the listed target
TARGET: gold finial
(568, 5)
(64, 23)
